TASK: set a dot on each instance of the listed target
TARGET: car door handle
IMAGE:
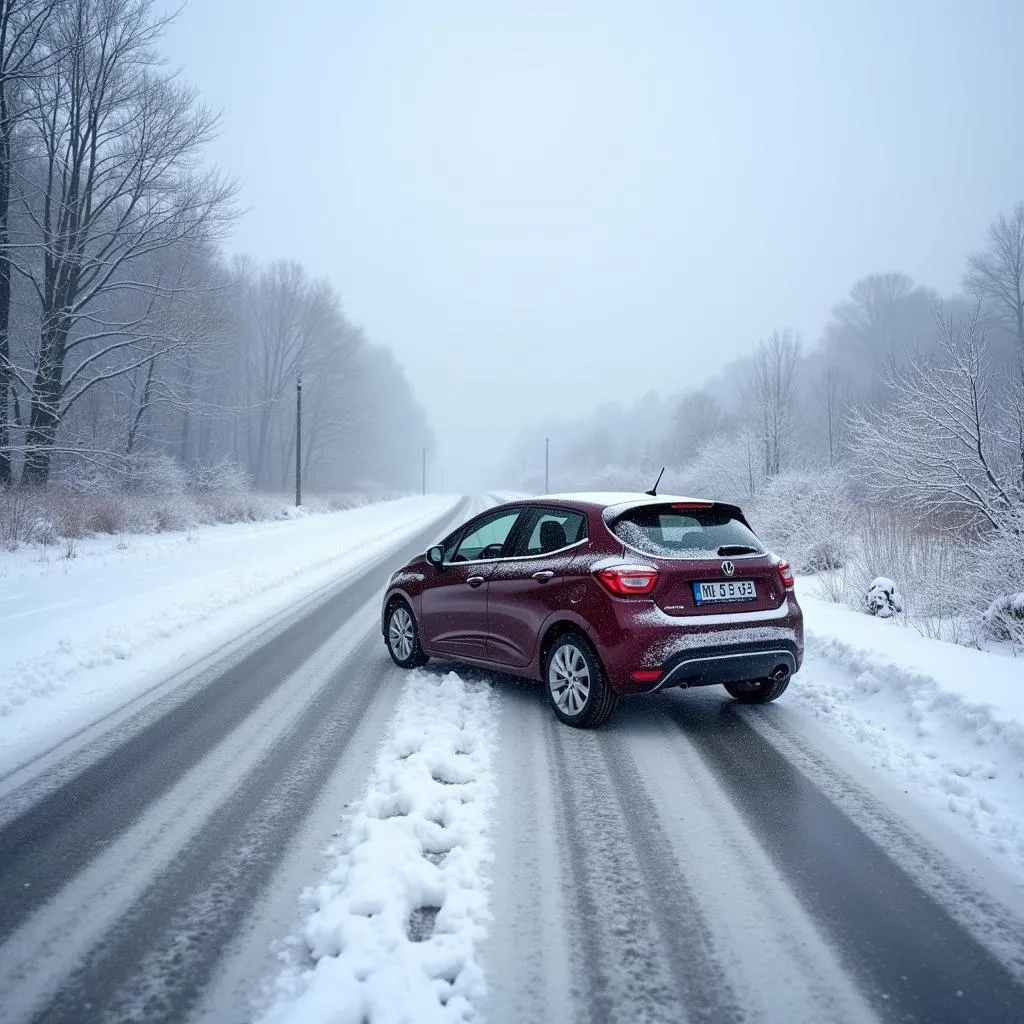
(543, 576)
(475, 581)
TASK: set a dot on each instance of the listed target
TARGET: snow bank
(397, 927)
(80, 633)
(947, 720)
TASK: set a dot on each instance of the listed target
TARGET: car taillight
(785, 573)
(629, 579)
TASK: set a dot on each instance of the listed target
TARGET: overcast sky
(540, 206)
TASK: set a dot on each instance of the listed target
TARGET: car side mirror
(435, 556)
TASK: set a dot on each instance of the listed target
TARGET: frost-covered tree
(113, 141)
(772, 392)
(947, 447)
(995, 276)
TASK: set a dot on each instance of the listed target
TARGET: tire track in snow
(85, 816)
(155, 963)
(647, 947)
(983, 911)
(196, 851)
(911, 959)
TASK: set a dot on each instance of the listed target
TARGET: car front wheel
(576, 684)
(403, 637)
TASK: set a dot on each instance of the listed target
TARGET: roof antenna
(653, 492)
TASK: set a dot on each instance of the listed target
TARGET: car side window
(486, 539)
(553, 529)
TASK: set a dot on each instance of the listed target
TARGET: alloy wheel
(569, 679)
(400, 633)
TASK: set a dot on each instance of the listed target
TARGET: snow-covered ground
(943, 722)
(397, 926)
(79, 636)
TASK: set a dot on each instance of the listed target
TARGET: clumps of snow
(396, 930)
(945, 720)
(883, 598)
(1004, 618)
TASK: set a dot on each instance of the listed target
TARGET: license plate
(726, 590)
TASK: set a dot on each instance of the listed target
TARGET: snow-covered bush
(808, 518)
(1004, 618)
(15, 517)
(155, 474)
(883, 599)
(226, 474)
(931, 565)
(727, 467)
(994, 581)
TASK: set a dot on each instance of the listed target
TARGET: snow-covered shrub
(1004, 618)
(15, 517)
(104, 512)
(808, 518)
(151, 473)
(995, 578)
(727, 467)
(226, 474)
(883, 599)
(42, 531)
(931, 565)
(175, 512)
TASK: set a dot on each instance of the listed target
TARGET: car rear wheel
(576, 684)
(403, 637)
(758, 691)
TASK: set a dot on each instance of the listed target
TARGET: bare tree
(946, 448)
(996, 275)
(22, 60)
(116, 140)
(698, 416)
(772, 392)
(832, 392)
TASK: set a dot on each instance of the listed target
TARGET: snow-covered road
(693, 862)
(465, 856)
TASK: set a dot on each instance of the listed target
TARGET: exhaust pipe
(779, 674)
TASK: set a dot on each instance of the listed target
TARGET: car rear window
(685, 533)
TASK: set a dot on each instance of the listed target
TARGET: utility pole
(547, 463)
(298, 440)
(424, 470)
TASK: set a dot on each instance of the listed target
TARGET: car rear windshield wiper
(738, 549)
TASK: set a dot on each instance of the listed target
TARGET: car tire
(402, 636)
(576, 683)
(764, 691)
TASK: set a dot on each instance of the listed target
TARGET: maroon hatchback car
(601, 596)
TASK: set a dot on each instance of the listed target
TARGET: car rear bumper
(701, 652)
(728, 665)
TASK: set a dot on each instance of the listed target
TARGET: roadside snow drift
(396, 930)
(945, 720)
(80, 635)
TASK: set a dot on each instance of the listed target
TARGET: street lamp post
(298, 440)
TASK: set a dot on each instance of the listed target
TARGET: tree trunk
(6, 469)
(44, 418)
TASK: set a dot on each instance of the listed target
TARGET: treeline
(893, 446)
(844, 401)
(130, 348)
